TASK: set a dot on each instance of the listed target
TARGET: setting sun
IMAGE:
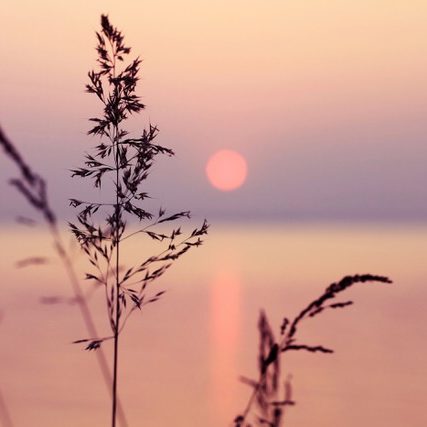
(226, 170)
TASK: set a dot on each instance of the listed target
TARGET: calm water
(182, 356)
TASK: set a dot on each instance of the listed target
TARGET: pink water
(182, 356)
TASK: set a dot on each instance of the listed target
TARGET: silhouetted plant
(128, 160)
(266, 406)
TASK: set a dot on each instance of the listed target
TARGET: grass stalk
(129, 160)
(265, 405)
(117, 294)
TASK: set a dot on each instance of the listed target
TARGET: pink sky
(327, 101)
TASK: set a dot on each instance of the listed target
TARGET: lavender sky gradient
(326, 100)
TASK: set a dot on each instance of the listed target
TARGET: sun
(226, 170)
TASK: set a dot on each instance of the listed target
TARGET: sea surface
(181, 357)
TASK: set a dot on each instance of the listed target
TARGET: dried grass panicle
(265, 407)
(127, 161)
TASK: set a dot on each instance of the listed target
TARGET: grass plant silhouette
(128, 161)
(265, 404)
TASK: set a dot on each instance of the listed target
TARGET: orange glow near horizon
(226, 170)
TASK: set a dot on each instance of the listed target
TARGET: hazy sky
(327, 100)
